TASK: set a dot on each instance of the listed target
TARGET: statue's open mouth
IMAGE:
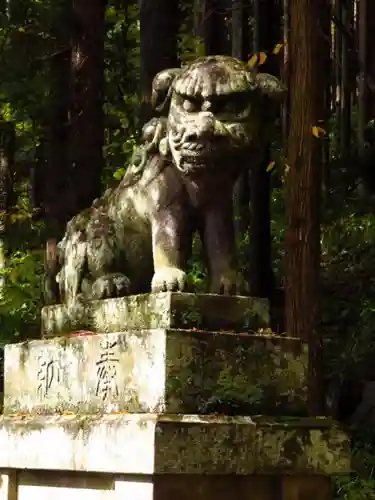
(193, 151)
(200, 150)
(192, 148)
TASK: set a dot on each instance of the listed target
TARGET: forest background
(75, 82)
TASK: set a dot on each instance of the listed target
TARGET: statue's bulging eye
(230, 107)
(235, 105)
(191, 105)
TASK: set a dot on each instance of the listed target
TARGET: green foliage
(21, 297)
(190, 45)
(197, 276)
(360, 485)
(121, 98)
(348, 254)
(29, 35)
(355, 488)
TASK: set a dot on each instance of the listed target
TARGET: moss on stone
(163, 310)
(216, 372)
(193, 372)
(192, 444)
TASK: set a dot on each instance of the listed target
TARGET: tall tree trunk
(51, 196)
(267, 34)
(87, 89)
(345, 111)
(370, 56)
(55, 178)
(240, 29)
(54, 169)
(285, 74)
(159, 25)
(328, 83)
(338, 36)
(363, 111)
(214, 28)
(241, 43)
(7, 145)
(303, 191)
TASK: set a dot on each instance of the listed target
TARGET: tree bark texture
(54, 178)
(214, 27)
(285, 74)
(345, 92)
(241, 47)
(240, 30)
(159, 25)
(267, 33)
(86, 107)
(7, 145)
(304, 189)
(370, 60)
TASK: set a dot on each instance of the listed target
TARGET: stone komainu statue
(214, 116)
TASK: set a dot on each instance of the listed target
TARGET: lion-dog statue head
(214, 106)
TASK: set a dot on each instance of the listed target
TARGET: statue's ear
(162, 89)
(271, 87)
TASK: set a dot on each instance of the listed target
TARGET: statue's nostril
(205, 123)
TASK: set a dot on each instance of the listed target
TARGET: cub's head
(215, 107)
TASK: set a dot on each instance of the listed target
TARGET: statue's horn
(162, 87)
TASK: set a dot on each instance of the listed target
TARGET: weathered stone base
(149, 444)
(158, 370)
(151, 457)
(159, 310)
(43, 485)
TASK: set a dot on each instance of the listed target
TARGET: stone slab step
(173, 444)
(158, 370)
(159, 310)
(60, 485)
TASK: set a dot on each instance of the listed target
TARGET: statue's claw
(110, 286)
(168, 279)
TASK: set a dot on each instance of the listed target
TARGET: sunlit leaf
(270, 166)
(262, 58)
(318, 132)
(252, 62)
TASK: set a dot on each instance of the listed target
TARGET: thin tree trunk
(59, 206)
(327, 83)
(303, 191)
(240, 50)
(267, 34)
(55, 180)
(159, 25)
(7, 145)
(240, 30)
(370, 29)
(338, 68)
(345, 112)
(285, 74)
(363, 76)
(87, 89)
(214, 28)
(51, 193)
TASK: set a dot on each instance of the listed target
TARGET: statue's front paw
(168, 279)
(230, 282)
(110, 286)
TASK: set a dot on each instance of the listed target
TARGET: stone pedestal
(145, 402)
